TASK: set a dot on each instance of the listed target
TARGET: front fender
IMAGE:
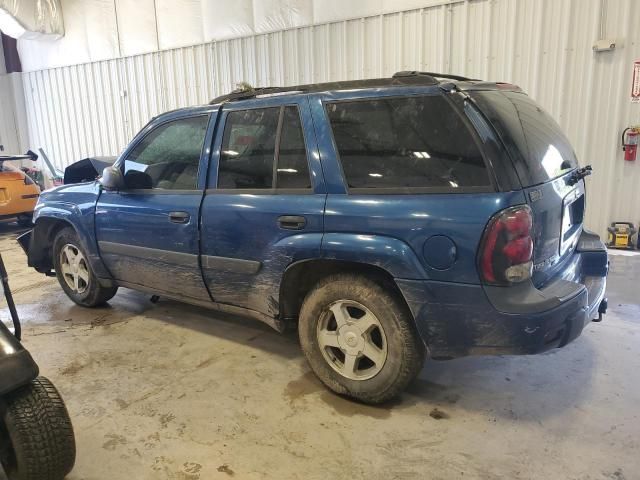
(71, 205)
(388, 253)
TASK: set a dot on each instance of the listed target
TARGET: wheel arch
(300, 277)
(44, 232)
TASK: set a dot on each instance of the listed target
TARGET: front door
(148, 232)
(264, 205)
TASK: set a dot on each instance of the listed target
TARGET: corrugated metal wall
(542, 45)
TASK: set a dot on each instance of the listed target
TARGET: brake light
(506, 249)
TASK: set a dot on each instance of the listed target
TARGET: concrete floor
(177, 392)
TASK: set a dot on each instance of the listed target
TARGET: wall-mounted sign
(635, 84)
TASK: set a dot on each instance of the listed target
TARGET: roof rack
(405, 78)
(414, 73)
(244, 92)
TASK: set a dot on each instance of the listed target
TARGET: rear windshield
(405, 143)
(540, 150)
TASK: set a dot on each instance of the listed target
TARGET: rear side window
(263, 149)
(405, 143)
(536, 142)
(293, 169)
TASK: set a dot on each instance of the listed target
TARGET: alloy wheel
(352, 340)
(74, 268)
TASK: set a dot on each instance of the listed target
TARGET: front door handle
(179, 217)
(292, 222)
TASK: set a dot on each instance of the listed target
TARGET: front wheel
(74, 271)
(359, 338)
(36, 434)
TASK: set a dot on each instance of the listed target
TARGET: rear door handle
(292, 222)
(179, 217)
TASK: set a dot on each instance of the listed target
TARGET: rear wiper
(579, 174)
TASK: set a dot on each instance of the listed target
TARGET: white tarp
(227, 19)
(105, 29)
(35, 19)
(272, 15)
(179, 23)
(136, 27)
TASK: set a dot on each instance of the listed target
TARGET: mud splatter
(305, 385)
(438, 414)
(113, 441)
(73, 368)
(191, 470)
(224, 468)
(205, 363)
(166, 419)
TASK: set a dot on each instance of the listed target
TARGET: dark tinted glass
(407, 142)
(293, 169)
(248, 149)
(542, 152)
(168, 157)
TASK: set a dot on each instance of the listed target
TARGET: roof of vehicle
(399, 79)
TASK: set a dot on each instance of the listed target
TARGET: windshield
(540, 150)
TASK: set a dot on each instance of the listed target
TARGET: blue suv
(388, 219)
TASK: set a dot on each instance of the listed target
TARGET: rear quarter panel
(411, 220)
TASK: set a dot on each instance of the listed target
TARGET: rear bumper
(455, 320)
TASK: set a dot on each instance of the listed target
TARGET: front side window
(168, 157)
(263, 149)
(404, 143)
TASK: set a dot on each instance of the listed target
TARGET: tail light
(506, 249)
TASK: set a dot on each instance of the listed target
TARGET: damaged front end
(36, 253)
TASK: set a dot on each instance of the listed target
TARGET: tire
(25, 220)
(386, 325)
(87, 292)
(41, 444)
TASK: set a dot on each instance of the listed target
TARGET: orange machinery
(18, 192)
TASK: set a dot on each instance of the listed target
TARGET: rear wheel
(359, 338)
(37, 434)
(74, 271)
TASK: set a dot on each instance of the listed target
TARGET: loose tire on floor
(77, 280)
(359, 338)
(37, 433)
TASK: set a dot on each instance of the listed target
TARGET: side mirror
(112, 178)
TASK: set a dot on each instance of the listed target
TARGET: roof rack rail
(245, 91)
(414, 73)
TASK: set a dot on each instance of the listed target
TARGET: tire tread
(413, 356)
(41, 432)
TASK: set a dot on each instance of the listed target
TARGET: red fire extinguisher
(630, 137)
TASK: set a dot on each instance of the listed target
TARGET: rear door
(264, 204)
(545, 163)
(148, 232)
